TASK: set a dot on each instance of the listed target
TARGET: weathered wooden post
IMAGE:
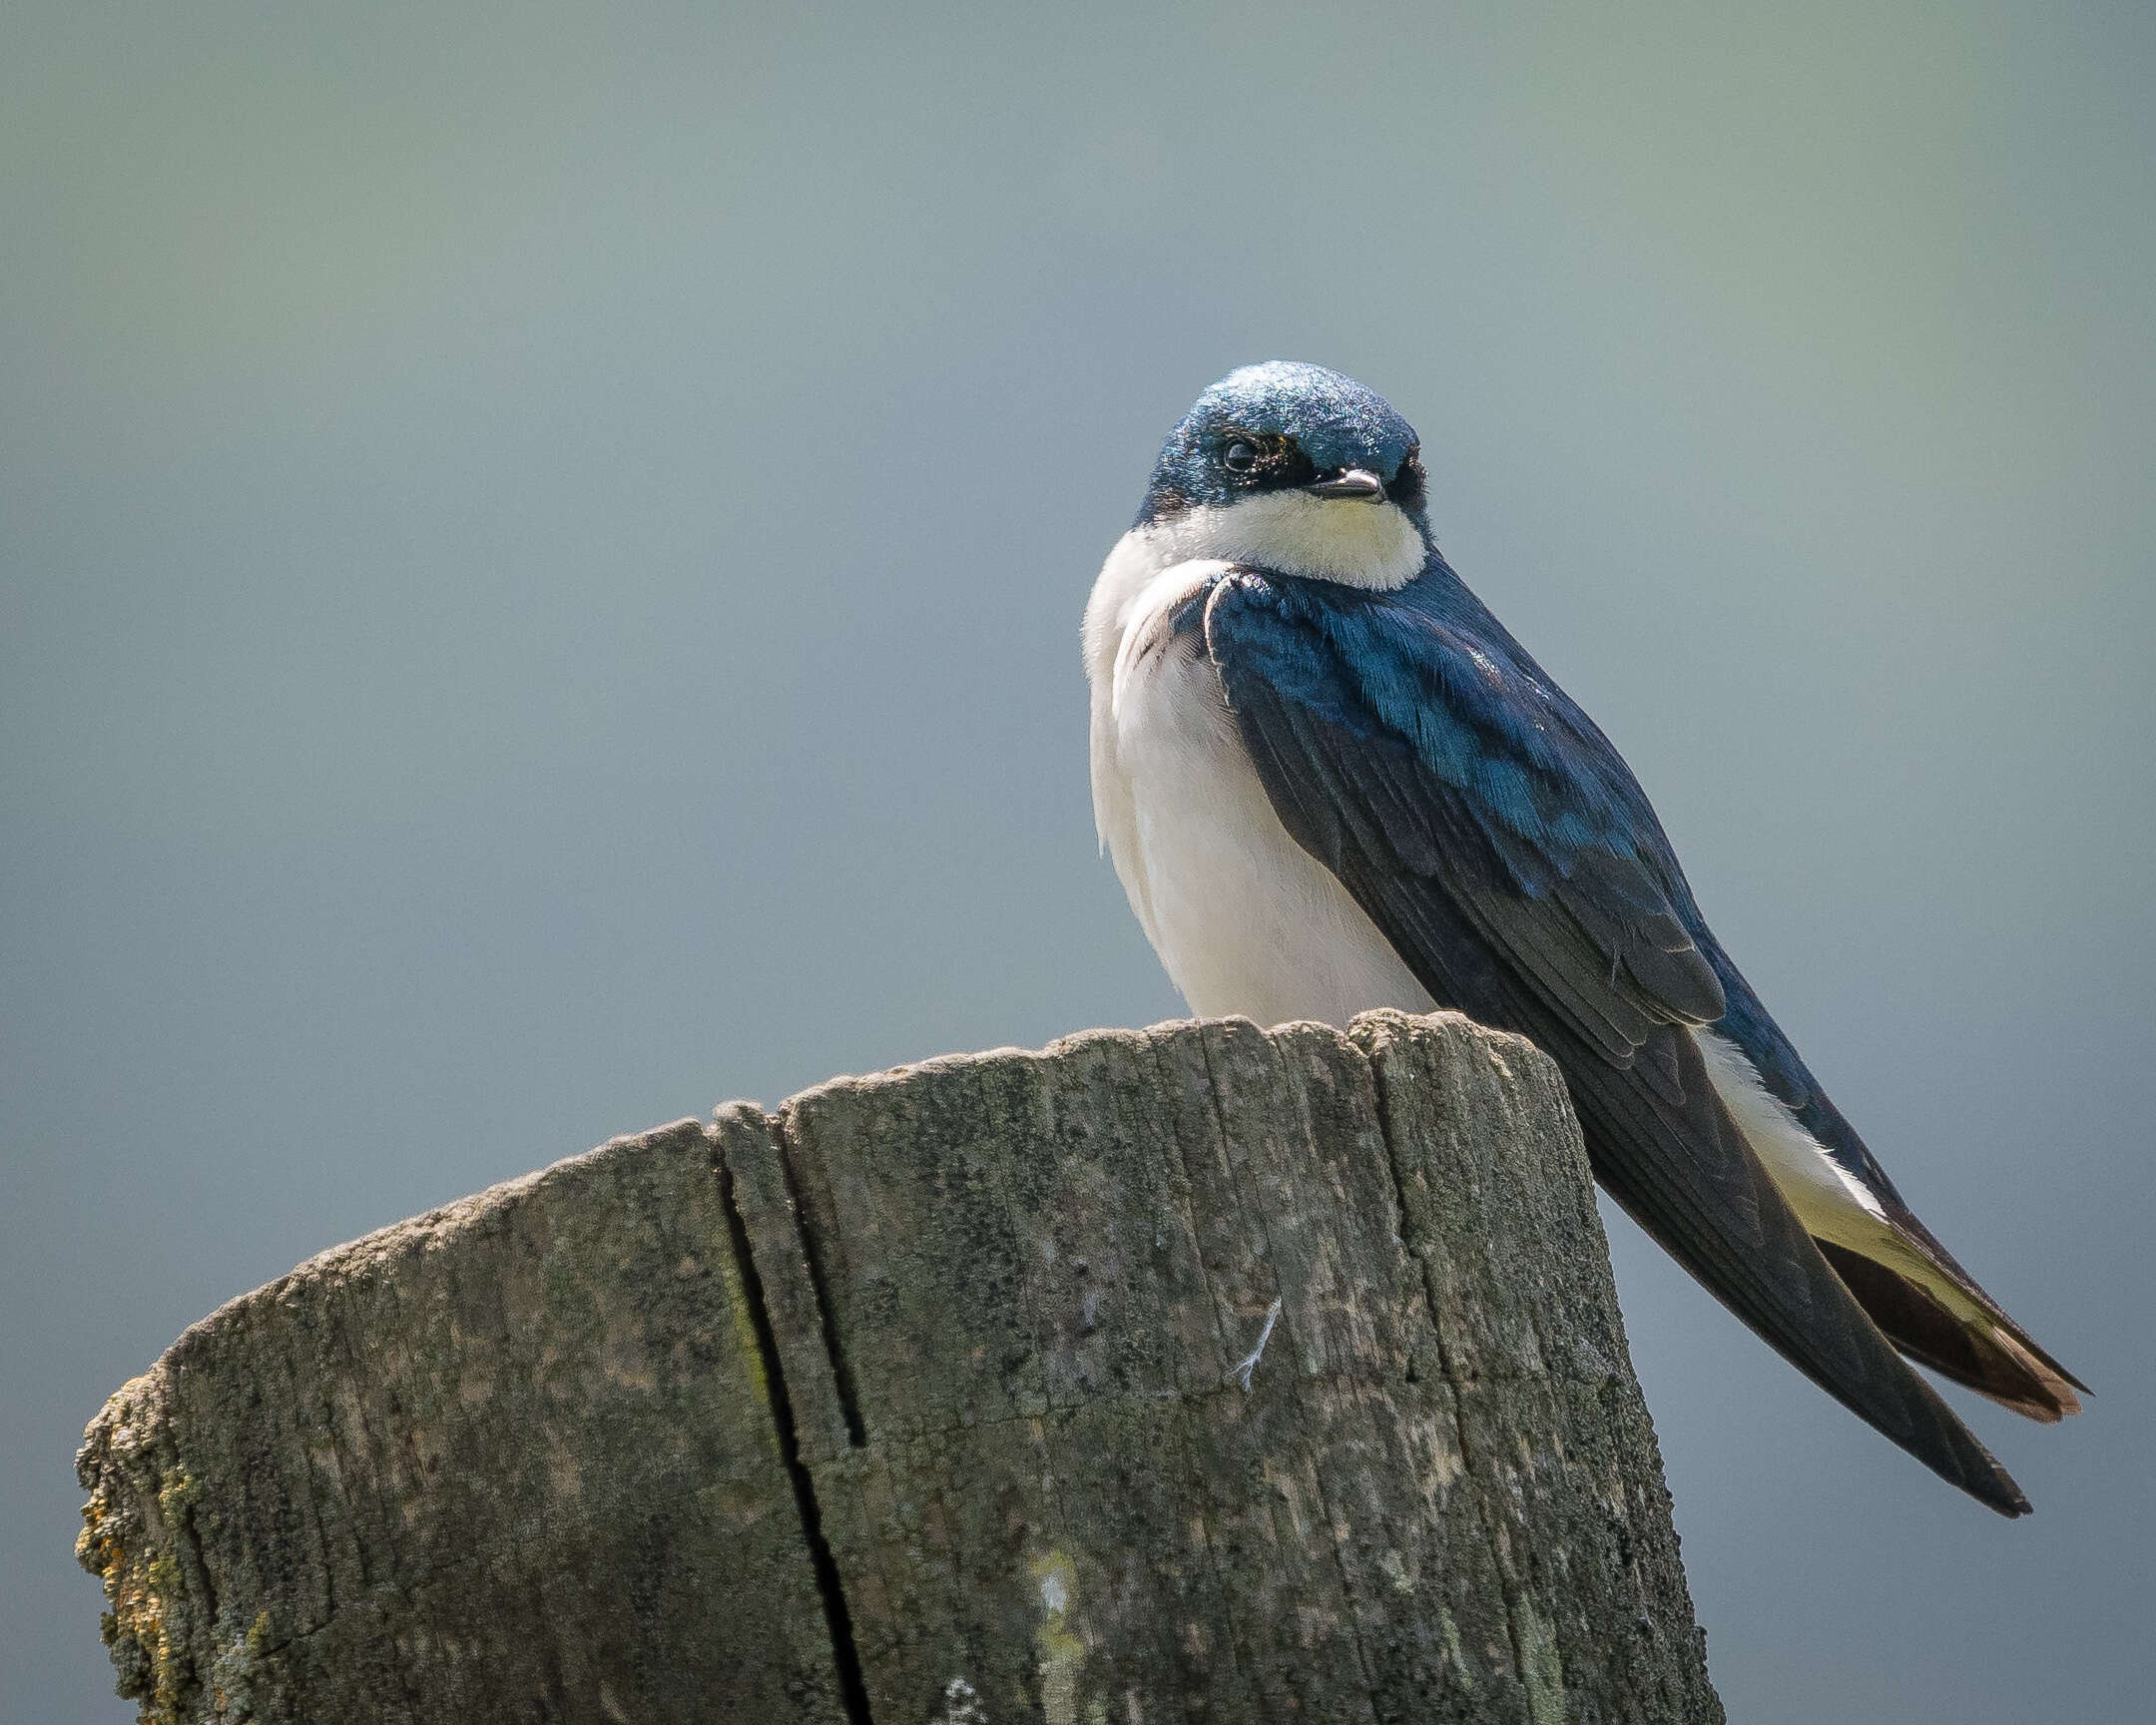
(1192, 1372)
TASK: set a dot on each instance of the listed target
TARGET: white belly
(1244, 921)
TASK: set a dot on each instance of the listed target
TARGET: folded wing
(1498, 842)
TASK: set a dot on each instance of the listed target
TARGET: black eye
(1240, 458)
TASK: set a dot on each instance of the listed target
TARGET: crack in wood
(814, 1248)
(846, 1656)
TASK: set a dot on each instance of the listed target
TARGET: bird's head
(1295, 469)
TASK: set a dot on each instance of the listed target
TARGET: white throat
(1356, 543)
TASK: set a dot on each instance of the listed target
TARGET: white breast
(1244, 921)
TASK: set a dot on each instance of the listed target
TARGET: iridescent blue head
(1284, 425)
(1297, 468)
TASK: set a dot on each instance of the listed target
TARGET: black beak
(1357, 482)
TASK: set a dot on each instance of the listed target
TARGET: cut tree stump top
(1199, 1373)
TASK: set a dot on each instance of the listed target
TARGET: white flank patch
(1346, 539)
(1831, 1203)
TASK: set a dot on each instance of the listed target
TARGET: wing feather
(1504, 863)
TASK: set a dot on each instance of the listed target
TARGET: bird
(1331, 780)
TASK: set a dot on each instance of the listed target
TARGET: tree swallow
(1331, 780)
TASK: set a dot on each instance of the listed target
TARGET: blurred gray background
(540, 559)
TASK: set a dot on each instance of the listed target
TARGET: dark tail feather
(1992, 1354)
(1684, 1172)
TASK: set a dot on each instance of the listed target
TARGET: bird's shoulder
(1431, 671)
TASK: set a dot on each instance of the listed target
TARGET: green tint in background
(540, 558)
